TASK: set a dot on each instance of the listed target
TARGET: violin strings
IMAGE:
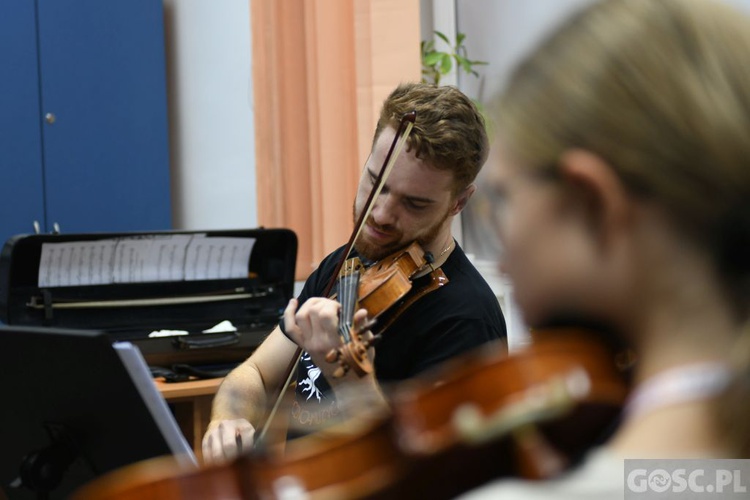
(347, 283)
(342, 298)
(347, 320)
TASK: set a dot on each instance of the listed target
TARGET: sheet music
(73, 264)
(142, 259)
(135, 364)
(151, 258)
(218, 258)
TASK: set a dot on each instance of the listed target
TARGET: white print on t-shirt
(313, 373)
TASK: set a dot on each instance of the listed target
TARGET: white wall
(211, 119)
(503, 31)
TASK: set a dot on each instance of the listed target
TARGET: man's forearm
(242, 394)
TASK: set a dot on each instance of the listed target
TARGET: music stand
(74, 407)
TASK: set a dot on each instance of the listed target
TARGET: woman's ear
(598, 190)
(463, 198)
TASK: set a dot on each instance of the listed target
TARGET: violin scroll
(351, 355)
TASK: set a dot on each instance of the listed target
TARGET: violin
(164, 478)
(379, 288)
(352, 459)
(487, 414)
(531, 414)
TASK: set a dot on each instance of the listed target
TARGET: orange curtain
(321, 69)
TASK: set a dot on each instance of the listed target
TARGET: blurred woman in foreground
(623, 171)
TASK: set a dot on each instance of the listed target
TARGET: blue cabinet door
(83, 116)
(104, 114)
(21, 184)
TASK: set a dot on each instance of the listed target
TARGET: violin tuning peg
(332, 356)
(340, 371)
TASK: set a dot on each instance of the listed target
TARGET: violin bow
(399, 140)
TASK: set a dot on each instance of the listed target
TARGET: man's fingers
(212, 450)
(238, 441)
(314, 323)
(362, 321)
(227, 440)
(244, 439)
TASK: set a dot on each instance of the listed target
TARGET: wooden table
(191, 404)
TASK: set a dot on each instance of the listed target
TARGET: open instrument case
(157, 290)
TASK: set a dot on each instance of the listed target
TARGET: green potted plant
(437, 63)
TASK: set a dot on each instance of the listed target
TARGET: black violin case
(157, 290)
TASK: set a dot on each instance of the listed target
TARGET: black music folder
(199, 299)
(75, 406)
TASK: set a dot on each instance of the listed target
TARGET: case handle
(206, 341)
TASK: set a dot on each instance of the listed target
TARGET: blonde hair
(661, 90)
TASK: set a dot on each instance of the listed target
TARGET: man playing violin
(430, 183)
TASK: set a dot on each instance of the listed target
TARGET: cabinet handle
(50, 118)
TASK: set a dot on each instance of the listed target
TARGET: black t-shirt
(455, 318)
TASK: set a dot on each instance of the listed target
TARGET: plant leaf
(446, 64)
(465, 63)
(432, 58)
(443, 37)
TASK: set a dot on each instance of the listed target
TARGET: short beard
(375, 253)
